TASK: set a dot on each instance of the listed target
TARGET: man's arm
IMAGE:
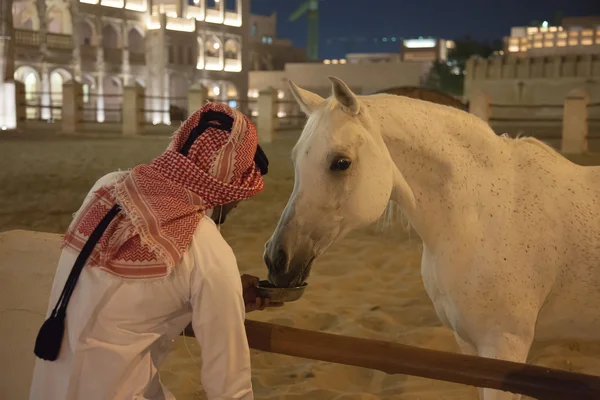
(218, 322)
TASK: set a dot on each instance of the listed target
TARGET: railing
(59, 41)
(111, 110)
(36, 111)
(394, 358)
(289, 115)
(55, 41)
(137, 58)
(27, 38)
(593, 120)
(113, 56)
(172, 110)
(88, 52)
(543, 121)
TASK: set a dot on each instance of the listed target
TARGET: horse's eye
(340, 164)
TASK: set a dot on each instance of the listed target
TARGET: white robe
(118, 331)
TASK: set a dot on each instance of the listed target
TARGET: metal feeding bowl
(267, 290)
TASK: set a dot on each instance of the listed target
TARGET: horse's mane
(531, 140)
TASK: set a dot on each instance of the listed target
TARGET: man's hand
(251, 299)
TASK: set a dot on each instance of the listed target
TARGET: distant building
(426, 49)
(162, 45)
(576, 35)
(370, 58)
(267, 51)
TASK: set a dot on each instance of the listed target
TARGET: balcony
(214, 16)
(233, 18)
(113, 56)
(196, 13)
(27, 38)
(233, 65)
(181, 24)
(213, 63)
(59, 41)
(137, 58)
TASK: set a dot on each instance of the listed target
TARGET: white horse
(510, 228)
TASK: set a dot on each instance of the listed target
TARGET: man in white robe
(160, 263)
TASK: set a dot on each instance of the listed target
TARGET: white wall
(362, 78)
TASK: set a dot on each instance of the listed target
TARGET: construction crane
(311, 9)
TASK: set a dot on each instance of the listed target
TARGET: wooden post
(266, 115)
(72, 101)
(12, 107)
(394, 358)
(197, 98)
(133, 110)
(575, 123)
(480, 106)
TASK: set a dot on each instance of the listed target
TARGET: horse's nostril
(280, 262)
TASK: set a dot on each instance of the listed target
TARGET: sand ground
(366, 286)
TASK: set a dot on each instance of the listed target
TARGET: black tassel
(50, 336)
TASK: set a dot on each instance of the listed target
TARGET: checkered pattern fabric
(162, 202)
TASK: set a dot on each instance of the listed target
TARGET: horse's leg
(508, 347)
(469, 350)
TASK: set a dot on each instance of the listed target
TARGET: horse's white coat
(511, 229)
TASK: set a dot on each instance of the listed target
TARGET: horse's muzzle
(285, 269)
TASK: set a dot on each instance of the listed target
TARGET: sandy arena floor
(366, 286)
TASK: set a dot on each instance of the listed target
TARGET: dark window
(231, 5)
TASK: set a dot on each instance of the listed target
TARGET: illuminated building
(165, 46)
(576, 35)
(426, 49)
(267, 51)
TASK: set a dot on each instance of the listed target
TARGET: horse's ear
(307, 101)
(344, 96)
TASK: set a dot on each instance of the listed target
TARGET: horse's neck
(439, 152)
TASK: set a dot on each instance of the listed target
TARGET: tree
(448, 76)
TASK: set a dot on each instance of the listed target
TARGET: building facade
(576, 35)
(267, 51)
(165, 46)
(426, 49)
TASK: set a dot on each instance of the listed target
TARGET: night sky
(347, 26)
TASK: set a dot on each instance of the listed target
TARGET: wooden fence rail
(394, 358)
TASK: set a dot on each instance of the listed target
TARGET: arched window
(233, 55)
(58, 20)
(86, 33)
(200, 58)
(110, 37)
(213, 54)
(135, 41)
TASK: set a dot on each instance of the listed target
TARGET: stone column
(20, 101)
(575, 123)
(46, 111)
(75, 39)
(197, 98)
(133, 110)
(100, 117)
(125, 63)
(41, 7)
(8, 107)
(7, 42)
(556, 66)
(266, 115)
(72, 113)
(480, 106)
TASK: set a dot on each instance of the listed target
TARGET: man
(142, 258)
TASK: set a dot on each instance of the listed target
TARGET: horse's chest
(437, 288)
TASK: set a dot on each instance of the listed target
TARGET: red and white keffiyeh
(163, 202)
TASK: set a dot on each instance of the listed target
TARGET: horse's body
(511, 229)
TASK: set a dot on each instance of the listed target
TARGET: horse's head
(343, 180)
